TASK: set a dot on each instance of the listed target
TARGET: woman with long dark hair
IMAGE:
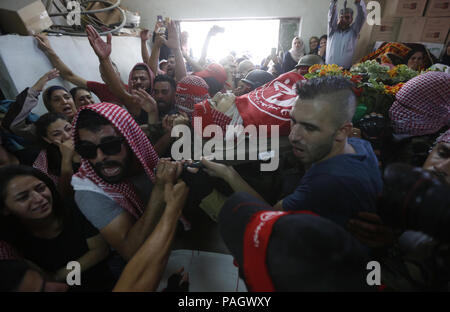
(57, 158)
(48, 231)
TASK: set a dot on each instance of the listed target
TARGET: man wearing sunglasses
(342, 34)
(117, 187)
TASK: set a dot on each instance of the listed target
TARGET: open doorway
(254, 38)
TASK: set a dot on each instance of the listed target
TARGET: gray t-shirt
(101, 210)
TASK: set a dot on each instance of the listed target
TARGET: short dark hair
(346, 10)
(214, 85)
(167, 78)
(90, 120)
(47, 95)
(140, 67)
(323, 37)
(338, 89)
(43, 122)
(74, 91)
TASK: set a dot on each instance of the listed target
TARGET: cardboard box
(108, 17)
(24, 17)
(400, 8)
(438, 8)
(411, 29)
(436, 29)
(387, 31)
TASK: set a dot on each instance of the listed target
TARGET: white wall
(22, 63)
(313, 12)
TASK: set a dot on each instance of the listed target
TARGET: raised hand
(101, 48)
(160, 40)
(39, 85)
(167, 122)
(145, 101)
(67, 149)
(173, 41)
(215, 30)
(145, 34)
(181, 119)
(43, 43)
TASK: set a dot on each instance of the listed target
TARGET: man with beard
(164, 94)
(161, 115)
(342, 34)
(438, 161)
(342, 176)
(116, 187)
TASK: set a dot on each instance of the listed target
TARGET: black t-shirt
(53, 254)
(142, 119)
(27, 156)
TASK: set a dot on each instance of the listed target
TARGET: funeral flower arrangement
(375, 85)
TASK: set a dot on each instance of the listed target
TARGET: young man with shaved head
(342, 175)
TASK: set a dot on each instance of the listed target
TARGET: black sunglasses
(111, 147)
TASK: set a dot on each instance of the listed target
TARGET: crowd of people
(97, 183)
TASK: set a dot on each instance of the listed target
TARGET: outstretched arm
(154, 57)
(173, 42)
(143, 272)
(126, 235)
(213, 31)
(26, 101)
(332, 18)
(66, 72)
(103, 51)
(145, 35)
(230, 176)
(362, 15)
(194, 64)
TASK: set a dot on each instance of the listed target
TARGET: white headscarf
(297, 53)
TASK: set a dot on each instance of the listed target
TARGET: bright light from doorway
(254, 38)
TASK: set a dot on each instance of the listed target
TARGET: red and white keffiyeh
(149, 71)
(41, 163)
(210, 117)
(422, 106)
(444, 137)
(190, 90)
(123, 193)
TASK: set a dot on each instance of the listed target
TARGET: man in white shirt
(342, 34)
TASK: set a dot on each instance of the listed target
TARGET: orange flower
(394, 89)
(313, 68)
(322, 73)
(393, 71)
